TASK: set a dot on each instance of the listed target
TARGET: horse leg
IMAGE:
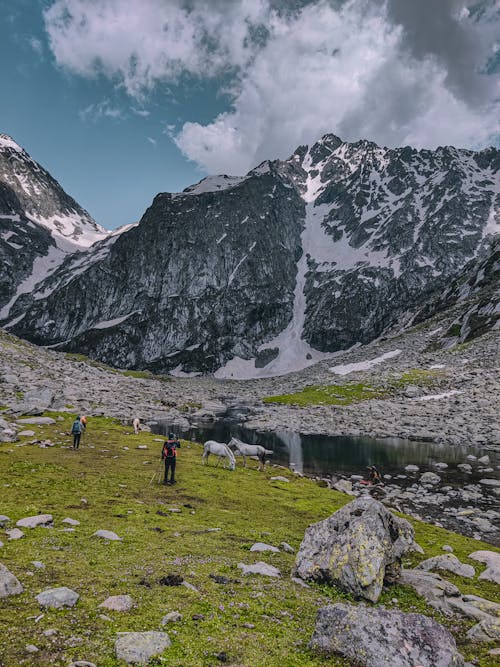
(218, 461)
(244, 461)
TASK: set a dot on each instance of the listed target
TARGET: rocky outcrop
(376, 637)
(357, 548)
(328, 248)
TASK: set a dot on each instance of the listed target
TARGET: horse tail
(206, 452)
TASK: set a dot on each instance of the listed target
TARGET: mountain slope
(39, 223)
(270, 272)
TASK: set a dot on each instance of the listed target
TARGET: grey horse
(250, 450)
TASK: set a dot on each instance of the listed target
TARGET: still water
(324, 455)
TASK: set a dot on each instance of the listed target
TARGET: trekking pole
(156, 472)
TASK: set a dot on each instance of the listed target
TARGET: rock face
(357, 548)
(137, 648)
(331, 246)
(39, 223)
(9, 584)
(375, 637)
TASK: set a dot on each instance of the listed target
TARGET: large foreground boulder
(376, 637)
(357, 548)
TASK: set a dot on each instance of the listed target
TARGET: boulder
(344, 486)
(118, 603)
(107, 535)
(71, 522)
(449, 563)
(492, 560)
(136, 648)
(171, 617)
(429, 478)
(377, 637)
(35, 521)
(485, 631)
(435, 590)
(9, 584)
(262, 546)
(279, 478)
(40, 421)
(14, 533)
(58, 598)
(260, 568)
(357, 548)
(475, 607)
(3, 520)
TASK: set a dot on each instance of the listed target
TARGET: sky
(122, 99)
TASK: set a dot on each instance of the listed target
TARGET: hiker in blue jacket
(76, 431)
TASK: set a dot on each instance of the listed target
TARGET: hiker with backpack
(169, 455)
(76, 432)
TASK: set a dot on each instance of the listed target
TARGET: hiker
(83, 421)
(76, 431)
(137, 425)
(374, 476)
(169, 454)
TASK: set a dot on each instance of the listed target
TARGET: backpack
(169, 448)
(77, 427)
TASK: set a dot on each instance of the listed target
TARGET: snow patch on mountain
(364, 365)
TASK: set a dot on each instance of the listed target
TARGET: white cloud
(102, 109)
(331, 67)
(152, 141)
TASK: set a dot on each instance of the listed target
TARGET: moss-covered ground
(354, 392)
(252, 621)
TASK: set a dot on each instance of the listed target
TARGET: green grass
(105, 486)
(335, 394)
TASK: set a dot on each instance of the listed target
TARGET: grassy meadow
(252, 620)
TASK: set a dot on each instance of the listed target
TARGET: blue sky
(121, 99)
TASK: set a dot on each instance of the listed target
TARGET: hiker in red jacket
(169, 454)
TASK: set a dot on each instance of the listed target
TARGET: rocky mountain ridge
(264, 274)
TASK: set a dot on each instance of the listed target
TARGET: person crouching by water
(76, 432)
(374, 476)
(169, 454)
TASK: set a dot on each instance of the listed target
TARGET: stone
(279, 478)
(492, 560)
(31, 648)
(447, 562)
(82, 663)
(434, 589)
(490, 482)
(14, 533)
(412, 391)
(430, 478)
(260, 568)
(38, 564)
(412, 468)
(27, 434)
(485, 631)
(344, 486)
(118, 603)
(484, 460)
(71, 522)
(287, 548)
(44, 520)
(377, 637)
(4, 519)
(107, 535)
(40, 421)
(446, 547)
(441, 466)
(57, 598)
(465, 467)
(9, 584)
(136, 648)
(356, 548)
(475, 607)
(262, 546)
(171, 617)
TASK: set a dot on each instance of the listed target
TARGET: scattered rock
(490, 482)
(9, 584)
(279, 478)
(26, 433)
(138, 647)
(71, 522)
(286, 547)
(465, 467)
(262, 546)
(82, 663)
(186, 584)
(449, 563)
(107, 535)
(376, 637)
(31, 648)
(40, 421)
(485, 631)
(446, 547)
(260, 568)
(171, 617)
(58, 598)
(35, 521)
(4, 519)
(434, 589)
(344, 486)
(14, 533)
(430, 478)
(357, 548)
(118, 603)
(38, 564)
(492, 560)
(412, 468)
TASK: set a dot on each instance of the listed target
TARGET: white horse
(219, 449)
(250, 450)
(137, 425)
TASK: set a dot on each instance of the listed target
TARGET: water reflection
(323, 455)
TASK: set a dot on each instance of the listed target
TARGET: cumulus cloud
(394, 71)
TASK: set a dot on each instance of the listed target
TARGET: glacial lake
(324, 455)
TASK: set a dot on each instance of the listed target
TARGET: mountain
(258, 275)
(39, 223)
